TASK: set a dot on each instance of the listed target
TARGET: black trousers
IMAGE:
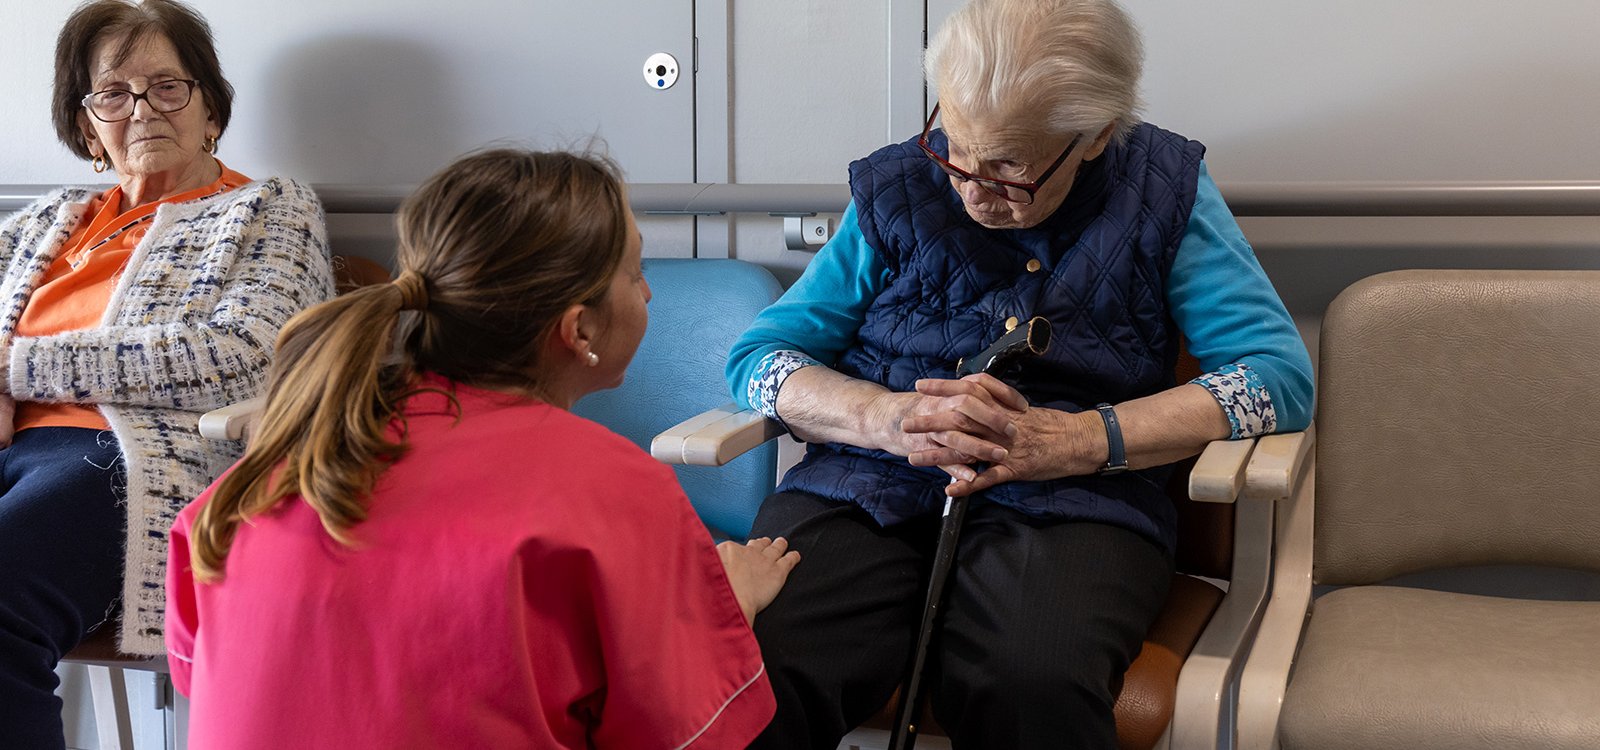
(1041, 620)
(62, 516)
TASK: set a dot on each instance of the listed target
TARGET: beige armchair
(1459, 426)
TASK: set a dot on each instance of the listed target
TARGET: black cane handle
(1031, 338)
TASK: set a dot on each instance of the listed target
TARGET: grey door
(335, 94)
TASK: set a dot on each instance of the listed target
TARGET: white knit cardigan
(190, 327)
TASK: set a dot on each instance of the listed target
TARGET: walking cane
(1033, 338)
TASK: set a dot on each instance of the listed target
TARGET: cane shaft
(1031, 339)
(904, 736)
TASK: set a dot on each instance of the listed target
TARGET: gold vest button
(1033, 265)
(1011, 323)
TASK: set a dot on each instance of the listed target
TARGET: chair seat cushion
(351, 272)
(1150, 687)
(1384, 666)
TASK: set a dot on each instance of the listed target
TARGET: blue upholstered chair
(699, 307)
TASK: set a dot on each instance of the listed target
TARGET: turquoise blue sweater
(1220, 298)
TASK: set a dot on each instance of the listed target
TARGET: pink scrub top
(526, 579)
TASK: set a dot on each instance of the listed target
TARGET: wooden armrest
(667, 447)
(1276, 465)
(715, 437)
(232, 422)
(1219, 473)
(1203, 704)
(1272, 467)
(1265, 678)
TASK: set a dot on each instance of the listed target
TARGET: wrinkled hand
(1049, 444)
(8, 413)
(1041, 444)
(949, 423)
(757, 571)
(955, 450)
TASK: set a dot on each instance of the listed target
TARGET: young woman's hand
(757, 570)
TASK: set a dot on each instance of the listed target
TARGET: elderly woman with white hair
(1042, 195)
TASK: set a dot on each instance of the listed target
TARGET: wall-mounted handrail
(1531, 198)
(1528, 198)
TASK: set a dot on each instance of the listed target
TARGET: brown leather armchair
(1178, 692)
(1459, 424)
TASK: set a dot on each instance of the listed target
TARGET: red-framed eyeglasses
(1016, 192)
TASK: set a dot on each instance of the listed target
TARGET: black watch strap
(1117, 457)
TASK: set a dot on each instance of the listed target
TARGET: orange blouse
(77, 288)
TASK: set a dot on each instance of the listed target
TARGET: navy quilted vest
(1103, 256)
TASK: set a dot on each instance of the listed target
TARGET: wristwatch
(1116, 458)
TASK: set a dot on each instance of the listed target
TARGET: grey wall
(370, 91)
(810, 93)
(1424, 90)
(386, 90)
(1375, 89)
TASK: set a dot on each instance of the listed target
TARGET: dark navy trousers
(1041, 620)
(62, 517)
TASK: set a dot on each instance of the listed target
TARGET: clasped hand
(953, 424)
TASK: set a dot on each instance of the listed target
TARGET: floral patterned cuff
(770, 374)
(1244, 400)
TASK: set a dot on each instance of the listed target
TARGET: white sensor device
(660, 71)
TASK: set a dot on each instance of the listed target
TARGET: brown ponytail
(492, 250)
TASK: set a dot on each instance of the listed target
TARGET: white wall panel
(1375, 89)
(810, 94)
(389, 91)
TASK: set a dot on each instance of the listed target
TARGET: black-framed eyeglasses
(1016, 192)
(116, 105)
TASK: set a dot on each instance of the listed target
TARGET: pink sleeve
(681, 666)
(183, 615)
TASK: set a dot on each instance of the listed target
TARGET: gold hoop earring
(99, 163)
(210, 145)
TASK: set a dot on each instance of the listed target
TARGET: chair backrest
(698, 308)
(351, 272)
(1458, 424)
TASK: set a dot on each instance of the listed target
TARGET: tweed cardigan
(190, 327)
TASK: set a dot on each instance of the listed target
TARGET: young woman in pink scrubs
(423, 547)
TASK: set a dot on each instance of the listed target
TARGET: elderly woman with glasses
(124, 314)
(1042, 195)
